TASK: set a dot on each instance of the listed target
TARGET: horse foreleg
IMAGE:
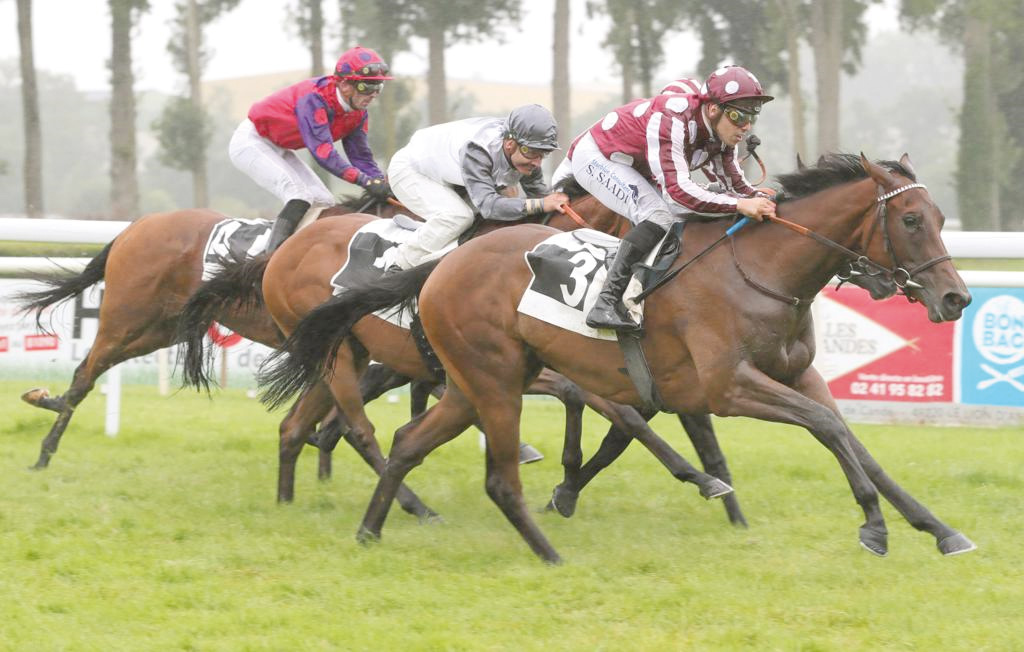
(551, 383)
(312, 406)
(948, 540)
(412, 442)
(702, 435)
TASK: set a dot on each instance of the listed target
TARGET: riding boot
(608, 310)
(286, 222)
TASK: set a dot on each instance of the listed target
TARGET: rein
(900, 276)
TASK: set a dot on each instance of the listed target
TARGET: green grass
(167, 537)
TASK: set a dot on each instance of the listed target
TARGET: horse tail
(237, 286)
(309, 353)
(61, 289)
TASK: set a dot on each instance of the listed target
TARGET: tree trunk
(437, 93)
(977, 159)
(560, 103)
(200, 194)
(124, 187)
(788, 8)
(30, 112)
(643, 50)
(826, 41)
(316, 37)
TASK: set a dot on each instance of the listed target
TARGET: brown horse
(296, 279)
(733, 335)
(150, 270)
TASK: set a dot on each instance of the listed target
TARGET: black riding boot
(286, 222)
(608, 311)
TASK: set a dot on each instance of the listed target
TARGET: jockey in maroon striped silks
(638, 161)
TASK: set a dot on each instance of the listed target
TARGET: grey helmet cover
(534, 126)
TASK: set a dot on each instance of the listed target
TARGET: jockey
(637, 162)
(313, 114)
(684, 86)
(488, 158)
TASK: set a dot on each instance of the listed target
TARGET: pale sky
(73, 37)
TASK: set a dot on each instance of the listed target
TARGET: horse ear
(905, 162)
(800, 165)
(881, 176)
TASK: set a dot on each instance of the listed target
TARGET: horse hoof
(430, 518)
(35, 396)
(874, 541)
(563, 501)
(366, 537)
(528, 454)
(715, 489)
(956, 544)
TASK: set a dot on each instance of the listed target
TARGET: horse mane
(353, 204)
(570, 186)
(831, 170)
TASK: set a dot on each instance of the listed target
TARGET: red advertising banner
(4, 344)
(41, 343)
(882, 350)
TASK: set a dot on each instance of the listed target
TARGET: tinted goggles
(376, 69)
(368, 87)
(739, 117)
(531, 153)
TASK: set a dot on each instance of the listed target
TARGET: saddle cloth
(370, 252)
(569, 270)
(234, 240)
(237, 240)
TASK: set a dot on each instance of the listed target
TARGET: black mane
(832, 170)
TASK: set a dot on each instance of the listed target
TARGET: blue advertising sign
(992, 348)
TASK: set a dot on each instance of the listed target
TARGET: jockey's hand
(378, 189)
(756, 208)
(554, 201)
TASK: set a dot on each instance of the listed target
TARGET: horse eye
(912, 222)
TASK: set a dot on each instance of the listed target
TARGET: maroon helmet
(733, 83)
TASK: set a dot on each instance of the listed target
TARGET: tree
(30, 112)
(179, 126)
(560, 97)
(124, 185)
(989, 159)
(309, 19)
(447, 23)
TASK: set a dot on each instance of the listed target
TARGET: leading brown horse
(296, 279)
(732, 335)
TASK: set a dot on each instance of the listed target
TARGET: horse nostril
(956, 301)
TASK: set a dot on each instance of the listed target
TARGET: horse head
(906, 232)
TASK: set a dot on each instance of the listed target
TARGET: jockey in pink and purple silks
(313, 114)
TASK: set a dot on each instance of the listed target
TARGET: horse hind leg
(103, 355)
(412, 442)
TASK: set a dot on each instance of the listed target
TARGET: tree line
(768, 37)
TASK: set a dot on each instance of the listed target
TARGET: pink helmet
(361, 63)
(732, 83)
(684, 86)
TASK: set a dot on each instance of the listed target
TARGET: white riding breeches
(617, 185)
(275, 168)
(447, 216)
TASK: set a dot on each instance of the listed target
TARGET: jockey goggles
(738, 116)
(531, 153)
(367, 87)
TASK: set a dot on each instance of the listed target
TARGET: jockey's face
(356, 99)
(728, 131)
(524, 159)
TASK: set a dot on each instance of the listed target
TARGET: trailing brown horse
(296, 279)
(732, 335)
(149, 271)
